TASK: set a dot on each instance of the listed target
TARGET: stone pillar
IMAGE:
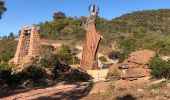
(34, 47)
(28, 44)
(18, 50)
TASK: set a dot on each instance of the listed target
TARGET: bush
(121, 56)
(114, 75)
(34, 73)
(8, 48)
(5, 71)
(76, 75)
(102, 59)
(114, 55)
(65, 54)
(5, 74)
(76, 60)
(160, 68)
(60, 71)
(50, 61)
(5, 66)
(47, 49)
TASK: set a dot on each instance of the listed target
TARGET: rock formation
(28, 44)
(136, 66)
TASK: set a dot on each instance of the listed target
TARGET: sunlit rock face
(136, 66)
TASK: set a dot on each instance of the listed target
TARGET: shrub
(102, 59)
(121, 56)
(50, 61)
(34, 73)
(8, 48)
(47, 49)
(60, 71)
(160, 68)
(114, 75)
(76, 60)
(114, 55)
(5, 66)
(76, 75)
(5, 74)
(65, 54)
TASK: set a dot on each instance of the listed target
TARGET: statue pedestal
(89, 65)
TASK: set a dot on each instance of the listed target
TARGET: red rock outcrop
(136, 66)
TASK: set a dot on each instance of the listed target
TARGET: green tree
(2, 7)
(59, 15)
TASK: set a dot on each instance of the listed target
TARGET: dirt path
(64, 92)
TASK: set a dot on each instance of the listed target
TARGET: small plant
(34, 73)
(102, 59)
(76, 60)
(114, 75)
(65, 54)
(121, 56)
(160, 68)
(114, 55)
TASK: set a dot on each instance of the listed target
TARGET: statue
(92, 39)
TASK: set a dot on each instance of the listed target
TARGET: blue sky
(27, 12)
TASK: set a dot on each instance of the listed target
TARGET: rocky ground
(133, 92)
(103, 90)
(62, 91)
(136, 84)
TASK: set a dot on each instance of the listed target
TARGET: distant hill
(150, 20)
(148, 29)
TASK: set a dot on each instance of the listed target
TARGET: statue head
(93, 9)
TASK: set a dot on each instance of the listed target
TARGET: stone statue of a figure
(92, 39)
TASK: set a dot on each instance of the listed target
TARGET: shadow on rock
(74, 94)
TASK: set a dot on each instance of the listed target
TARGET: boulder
(135, 73)
(142, 57)
(136, 66)
(157, 84)
(112, 69)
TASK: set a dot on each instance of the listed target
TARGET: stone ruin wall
(29, 44)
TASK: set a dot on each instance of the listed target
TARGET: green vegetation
(7, 48)
(2, 8)
(133, 31)
(31, 72)
(64, 54)
(102, 59)
(121, 56)
(63, 29)
(160, 68)
(59, 15)
(115, 75)
(67, 54)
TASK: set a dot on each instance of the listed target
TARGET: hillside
(133, 31)
(144, 21)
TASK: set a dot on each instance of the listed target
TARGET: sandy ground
(59, 92)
